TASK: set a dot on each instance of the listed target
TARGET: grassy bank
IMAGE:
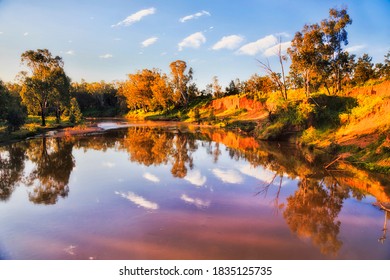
(354, 125)
(31, 128)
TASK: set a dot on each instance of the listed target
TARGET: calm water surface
(178, 192)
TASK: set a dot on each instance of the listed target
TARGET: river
(172, 191)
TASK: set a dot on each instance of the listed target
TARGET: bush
(75, 115)
(15, 119)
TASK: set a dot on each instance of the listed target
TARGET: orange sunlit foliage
(148, 90)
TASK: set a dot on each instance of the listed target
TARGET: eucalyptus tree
(363, 69)
(306, 53)
(335, 37)
(46, 83)
(180, 81)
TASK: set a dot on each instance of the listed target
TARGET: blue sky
(107, 39)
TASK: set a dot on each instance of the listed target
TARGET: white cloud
(135, 17)
(149, 41)
(260, 45)
(258, 173)
(108, 164)
(70, 52)
(151, 177)
(282, 34)
(139, 200)
(1, 32)
(195, 178)
(196, 201)
(107, 55)
(193, 41)
(228, 42)
(356, 48)
(194, 16)
(228, 176)
(25, 34)
(274, 50)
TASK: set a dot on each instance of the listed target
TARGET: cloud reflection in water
(139, 200)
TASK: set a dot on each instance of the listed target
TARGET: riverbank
(354, 127)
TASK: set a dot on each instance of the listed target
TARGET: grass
(31, 128)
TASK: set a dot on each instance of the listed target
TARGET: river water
(171, 191)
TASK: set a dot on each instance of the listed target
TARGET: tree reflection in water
(53, 165)
(11, 169)
(311, 212)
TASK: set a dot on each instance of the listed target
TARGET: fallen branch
(338, 158)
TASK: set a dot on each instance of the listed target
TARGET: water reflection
(310, 199)
(53, 164)
(11, 169)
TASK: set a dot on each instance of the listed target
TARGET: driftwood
(332, 162)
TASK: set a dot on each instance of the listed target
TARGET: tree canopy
(46, 84)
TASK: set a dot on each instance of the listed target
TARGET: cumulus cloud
(194, 16)
(195, 178)
(105, 56)
(149, 41)
(139, 200)
(356, 48)
(195, 201)
(274, 50)
(135, 17)
(151, 177)
(228, 176)
(228, 42)
(260, 45)
(193, 41)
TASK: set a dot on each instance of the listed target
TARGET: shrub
(75, 115)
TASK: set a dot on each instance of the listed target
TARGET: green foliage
(47, 85)
(197, 115)
(212, 117)
(75, 115)
(10, 109)
(330, 109)
(15, 118)
(363, 70)
(272, 132)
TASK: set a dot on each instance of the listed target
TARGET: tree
(148, 90)
(233, 88)
(278, 79)
(4, 101)
(306, 53)
(47, 84)
(60, 100)
(383, 69)
(258, 87)
(217, 89)
(10, 109)
(363, 69)
(75, 115)
(180, 81)
(335, 37)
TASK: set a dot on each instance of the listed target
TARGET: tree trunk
(58, 115)
(43, 117)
